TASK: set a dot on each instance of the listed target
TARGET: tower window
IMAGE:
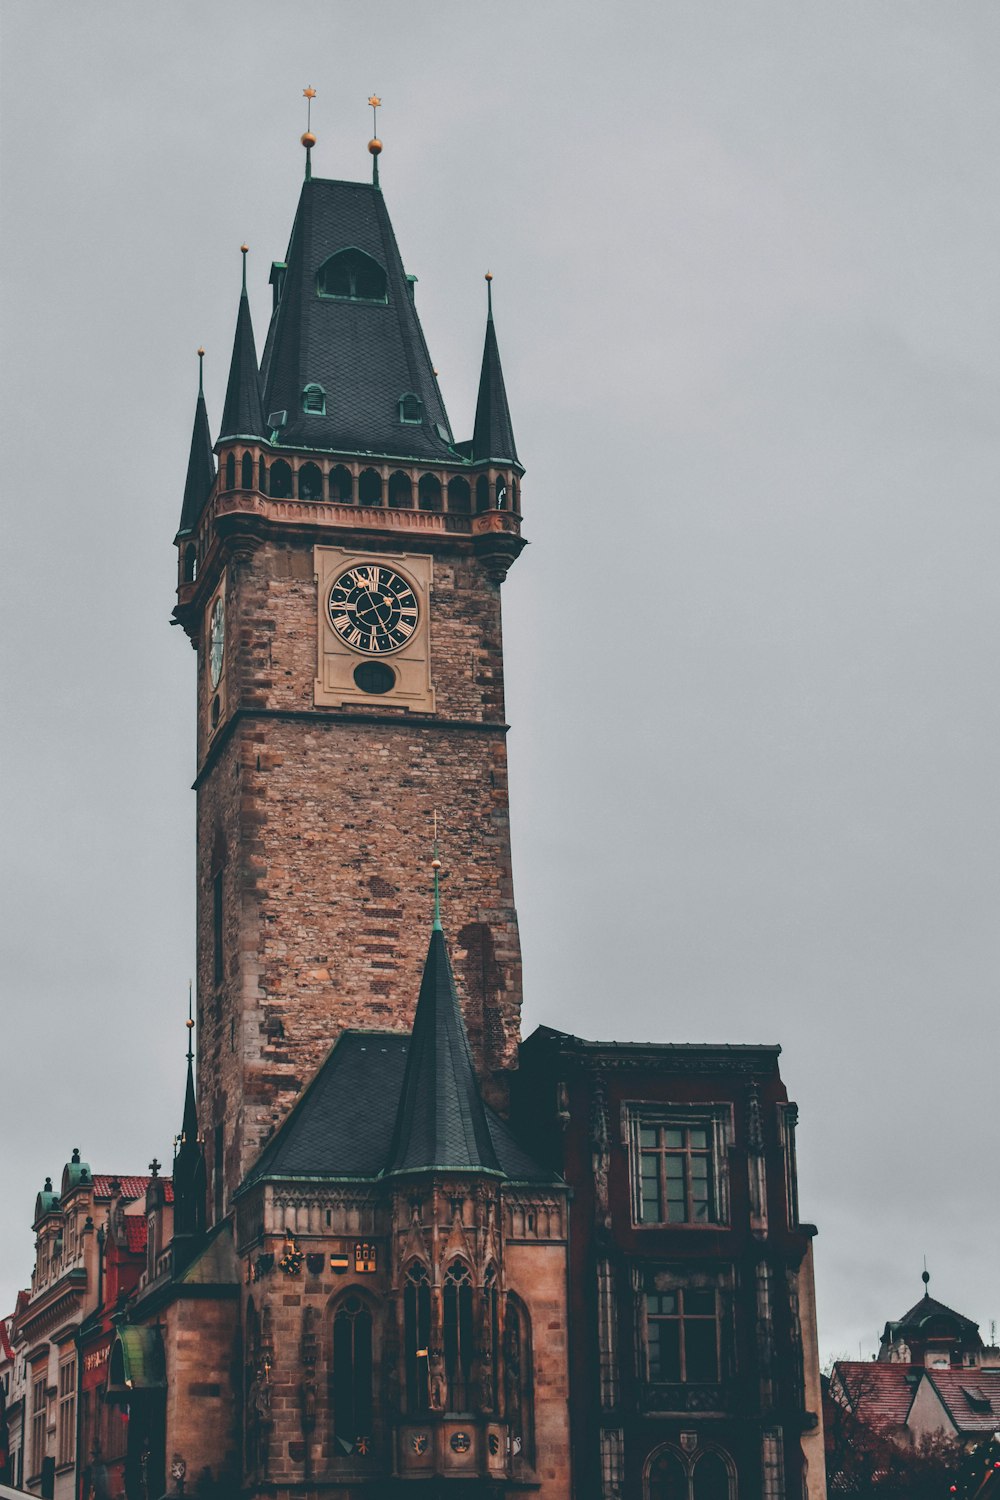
(375, 677)
(459, 1336)
(352, 276)
(190, 563)
(411, 409)
(482, 493)
(370, 488)
(341, 485)
(314, 401)
(417, 1335)
(351, 1384)
(459, 496)
(281, 480)
(231, 471)
(217, 964)
(246, 476)
(400, 491)
(310, 482)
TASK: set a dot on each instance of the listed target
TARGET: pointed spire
(242, 415)
(308, 139)
(190, 1178)
(441, 1123)
(493, 436)
(201, 461)
(375, 145)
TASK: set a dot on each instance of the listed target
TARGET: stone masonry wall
(321, 824)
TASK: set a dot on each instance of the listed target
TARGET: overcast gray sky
(747, 299)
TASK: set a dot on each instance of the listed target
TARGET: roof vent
(977, 1398)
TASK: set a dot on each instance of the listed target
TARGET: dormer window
(411, 408)
(314, 401)
(352, 276)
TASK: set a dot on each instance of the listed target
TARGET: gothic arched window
(190, 563)
(667, 1478)
(459, 1336)
(246, 472)
(370, 487)
(231, 471)
(459, 496)
(341, 485)
(489, 1340)
(519, 1379)
(712, 1477)
(310, 482)
(429, 492)
(482, 493)
(351, 1374)
(400, 491)
(352, 276)
(417, 1333)
(281, 480)
(262, 475)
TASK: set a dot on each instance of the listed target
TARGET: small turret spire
(201, 461)
(242, 415)
(190, 1179)
(308, 139)
(493, 436)
(375, 145)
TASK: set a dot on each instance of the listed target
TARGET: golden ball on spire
(201, 352)
(488, 276)
(245, 249)
(189, 1024)
(435, 864)
(308, 139)
(375, 146)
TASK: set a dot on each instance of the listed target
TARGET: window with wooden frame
(66, 1415)
(38, 1401)
(679, 1164)
(682, 1336)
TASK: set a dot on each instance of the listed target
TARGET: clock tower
(340, 557)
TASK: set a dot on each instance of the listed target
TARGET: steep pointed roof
(362, 345)
(190, 1177)
(242, 415)
(493, 435)
(441, 1121)
(201, 462)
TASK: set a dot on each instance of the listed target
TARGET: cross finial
(154, 1167)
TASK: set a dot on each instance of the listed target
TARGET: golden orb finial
(244, 249)
(201, 351)
(375, 145)
(488, 276)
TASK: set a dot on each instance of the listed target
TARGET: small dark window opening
(216, 711)
(667, 1478)
(310, 482)
(518, 1377)
(429, 492)
(218, 1179)
(190, 563)
(400, 491)
(482, 493)
(246, 476)
(351, 1383)
(500, 490)
(711, 1477)
(459, 1336)
(374, 677)
(411, 409)
(341, 485)
(314, 401)
(217, 960)
(262, 475)
(416, 1334)
(370, 488)
(281, 480)
(353, 276)
(459, 496)
(231, 471)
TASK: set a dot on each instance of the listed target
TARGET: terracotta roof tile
(972, 1397)
(131, 1187)
(879, 1394)
(135, 1232)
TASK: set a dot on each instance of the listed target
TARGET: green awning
(137, 1360)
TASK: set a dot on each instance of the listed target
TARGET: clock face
(216, 643)
(373, 609)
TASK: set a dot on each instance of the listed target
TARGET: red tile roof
(971, 1397)
(879, 1394)
(136, 1226)
(131, 1187)
(6, 1352)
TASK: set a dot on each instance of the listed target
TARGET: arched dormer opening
(370, 487)
(314, 401)
(400, 491)
(352, 1372)
(190, 564)
(411, 409)
(246, 472)
(310, 482)
(280, 477)
(416, 1337)
(459, 496)
(341, 485)
(352, 276)
(429, 492)
(230, 471)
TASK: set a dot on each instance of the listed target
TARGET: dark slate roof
(342, 1127)
(493, 435)
(242, 415)
(190, 1179)
(565, 1042)
(200, 470)
(930, 1307)
(365, 355)
(441, 1121)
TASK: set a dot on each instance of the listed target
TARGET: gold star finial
(374, 100)
(309, 93)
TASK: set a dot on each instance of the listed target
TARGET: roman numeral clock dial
(373, 609)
